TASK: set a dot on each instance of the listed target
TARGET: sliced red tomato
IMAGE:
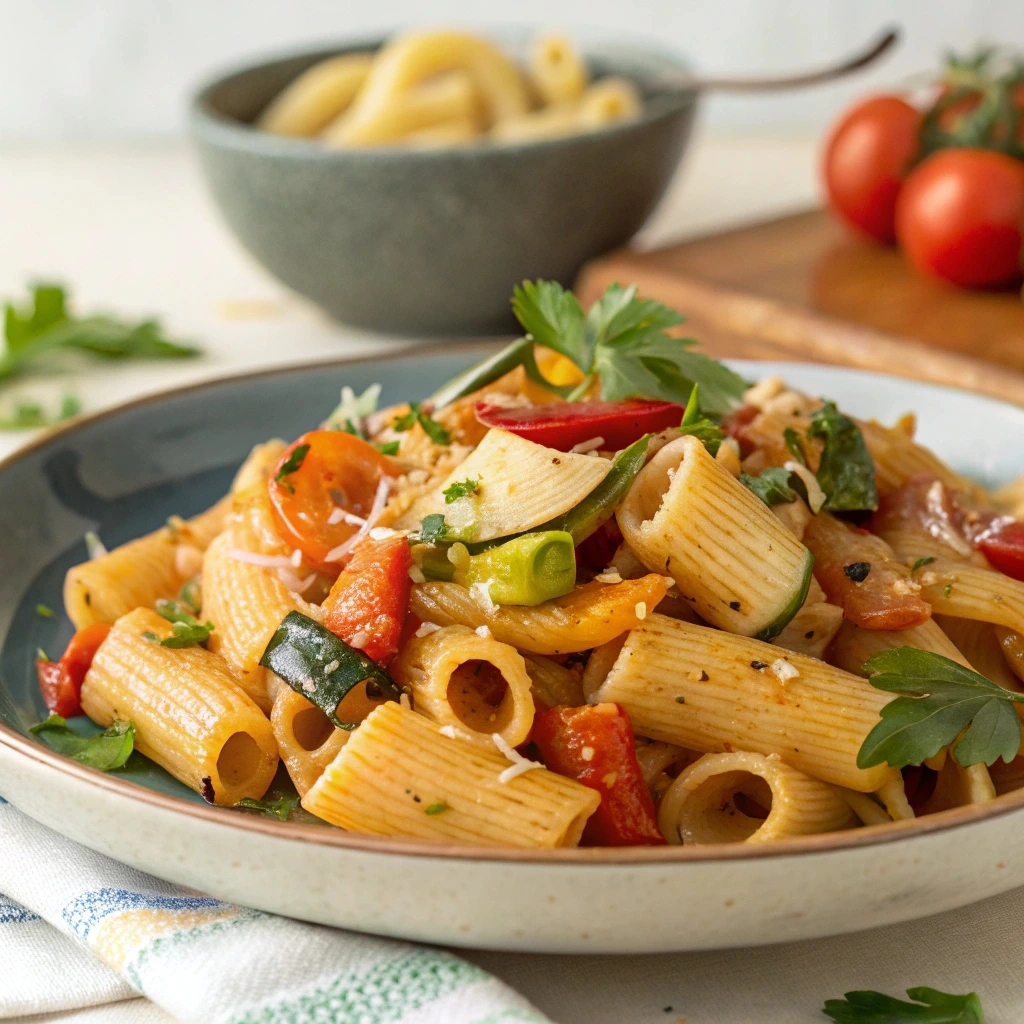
(1004, 548)
(594, 745)
(369, 600)
(563, 425)
(324, 471)
(60, 682)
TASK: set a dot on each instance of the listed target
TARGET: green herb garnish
(350, 412)
(388, 447)
(698, 425)
(622, 341)
(846, 471)
(415, 415)
(106, 752)
(929, 1006)
(796, 449)
(770, 485)
(437, 808)
(44, 612)
(44, 328)
(947, 590)
(947, 700)
(29, 415)
(280, 808)
(922, 562)
(291, 465)
(460, 489)
(191, 594)
(41, 655)
(434, 529)
(188, 631)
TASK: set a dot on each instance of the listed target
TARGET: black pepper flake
(734, 605)
(207, 790)
(759, 665)
(857, 571)
(680, 700)
(88, 597)
(416, 800)
(809, 634)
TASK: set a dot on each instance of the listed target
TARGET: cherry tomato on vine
(960, 217)
(867, 157)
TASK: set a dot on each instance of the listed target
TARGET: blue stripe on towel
(14, 913)
(86, 911)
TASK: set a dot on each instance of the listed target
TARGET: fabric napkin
(79, 929)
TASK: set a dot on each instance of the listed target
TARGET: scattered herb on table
(929, 1006)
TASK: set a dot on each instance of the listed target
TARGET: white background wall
(109, 69)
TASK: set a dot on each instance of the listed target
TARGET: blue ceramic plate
(122, 473)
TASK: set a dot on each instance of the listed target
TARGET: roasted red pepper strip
(594, 745)
(1003, 546)
(60, 682)
(563, 425)
(369, 600)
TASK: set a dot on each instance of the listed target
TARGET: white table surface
(131, 229)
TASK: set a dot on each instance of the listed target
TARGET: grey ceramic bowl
(431, 242)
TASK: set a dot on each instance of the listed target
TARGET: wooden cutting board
(800, 288)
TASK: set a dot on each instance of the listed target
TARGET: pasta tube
(307, 739)
(317, 96)
(607, 101)
(140, 572)
(555, 69)
(520, 486)
(1012, 645)
(978, 644)
(853, 645)
(971, 592)
(399, 776)
(590, 616)
(469, 682)
(712, 691)
(748, 798)
(552, 684)
(897, 457)
(190, 715)
(687, 516)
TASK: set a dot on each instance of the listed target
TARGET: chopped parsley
(438, 808)
(947, 590)
(929, 1006)
(846, 471)
(434, 529)
(922, 562)
(796, 449)
(44, 612)
(771, 485)
(291, 465)
(431, 427)
(460, 489)
(388, 447)
(187, 630)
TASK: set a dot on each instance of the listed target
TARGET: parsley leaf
(44, 611)
(796, 449)
(949, 700)
(29, 415)
(929, 1006)
(349, 413)
(460, 489)
(291, 465)
(699, 426)
(106, 752)
(922, 562)
(622, 341)
(432, 428)
(388, 447)
(771, 485)
(187, 629)
(846, 471)
(439, 808)
(281, 808)
(43, 328)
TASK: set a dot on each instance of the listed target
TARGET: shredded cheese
(380, 499)
(296, 558)
(609, 576)
(482, 631)
(815, 495)
(784, 670)
(449, 731)
(308, 685)
(482, 595)
(331, 666)
(585, 447)
(641, 609)
(519, 765)
(295, 584)
(359, 639)
(264, 561)
(587, 753)
(416, 574)
(426, 628)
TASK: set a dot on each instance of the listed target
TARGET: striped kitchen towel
(79, 929)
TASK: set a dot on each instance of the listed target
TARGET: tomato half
(1004, 548)
(867, 156)
(563, 425)
(60, 682)
(336, 471)
(960, 217)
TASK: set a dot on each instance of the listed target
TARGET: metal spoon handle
(826, 74)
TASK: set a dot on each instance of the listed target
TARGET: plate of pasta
(519, 648)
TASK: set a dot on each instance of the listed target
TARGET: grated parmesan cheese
(449, 731)
(384, 532)
(308, 685)
(359, 639)
(815, 495)
(294, 583)
(380, 499)
(296, 558)
(784, 670)
(331, 666)
(585, 447)
(519, 765)
(426, 628)
(482, 595)
(641, 609)
(416, 574)
(587, 753)
(482, 631)
(609, 576)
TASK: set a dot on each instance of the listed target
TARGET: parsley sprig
(929, 1006)
(460, 489)
(432, 428)
(107, 751)
(187, 630)
(944, 699)
(620, 342)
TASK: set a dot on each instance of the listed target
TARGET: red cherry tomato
(371, 597)
(594, 745)
(60, 682)
(960, 217)
(337, 470)
(563, 425)
(867, 156)
(1004, 548)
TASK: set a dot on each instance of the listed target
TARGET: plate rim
(829, 842)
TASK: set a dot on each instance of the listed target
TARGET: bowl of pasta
(442, 159)
(536, 648)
